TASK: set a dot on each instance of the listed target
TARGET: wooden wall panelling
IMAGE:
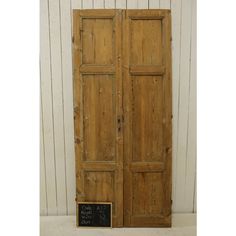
(154, 4)
(109, 4)
(43, 193)
(47, 110)
(57, 102)
(75, 4)
(165, 4)
(86, 4)
(67, 95)
(142, 4)
(195, 196)
(121, 4)
(132, 4)
(99, 4)
(176, 43)
(192, 122)
(183, 103)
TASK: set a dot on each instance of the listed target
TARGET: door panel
(97, 41)
(147, 115)
(122, 113)
(147, 186)
(147, 131)
(97, 108)
(145, 42)
(99, 122)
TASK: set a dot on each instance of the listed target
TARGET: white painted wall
(57, 162)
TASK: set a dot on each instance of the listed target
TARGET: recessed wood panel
(145, 42)
(146, 188)
(99, 186)
(147, 117)
(97, 41)
(99, 117)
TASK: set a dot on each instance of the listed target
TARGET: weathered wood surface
(183, 166)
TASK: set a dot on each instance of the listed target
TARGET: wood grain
(147, 70)
(148, 118)
(97, 39)
(97, 108)
(180, 204)
(98, 118)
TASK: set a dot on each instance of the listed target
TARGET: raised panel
(97, 41)
(99, 117)
(147, 130)
(146, 187)
(146, 42)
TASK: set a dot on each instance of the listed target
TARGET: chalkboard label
(94, 214)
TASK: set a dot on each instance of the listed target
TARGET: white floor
(182, 225)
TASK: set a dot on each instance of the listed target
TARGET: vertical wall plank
(183, 104)
(195, 196)
(99, 4)
(75, 4)
(121, 4)
(109, 4)
(132, 4)
(58, 115)
(66, 47)
(43, 194)
(143, 4)
(165, 4)
(154, 4)
(176, 32)
(46, 96)
(191, 142)
(87, 4)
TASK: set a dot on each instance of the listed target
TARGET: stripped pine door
(122, 112)
(147, 115)
(98, 108)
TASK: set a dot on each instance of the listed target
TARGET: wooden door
(122, 112)
(98, 108)
(147, 115)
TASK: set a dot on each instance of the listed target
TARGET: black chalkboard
(94, 214)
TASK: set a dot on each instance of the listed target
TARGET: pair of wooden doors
(122, 113)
